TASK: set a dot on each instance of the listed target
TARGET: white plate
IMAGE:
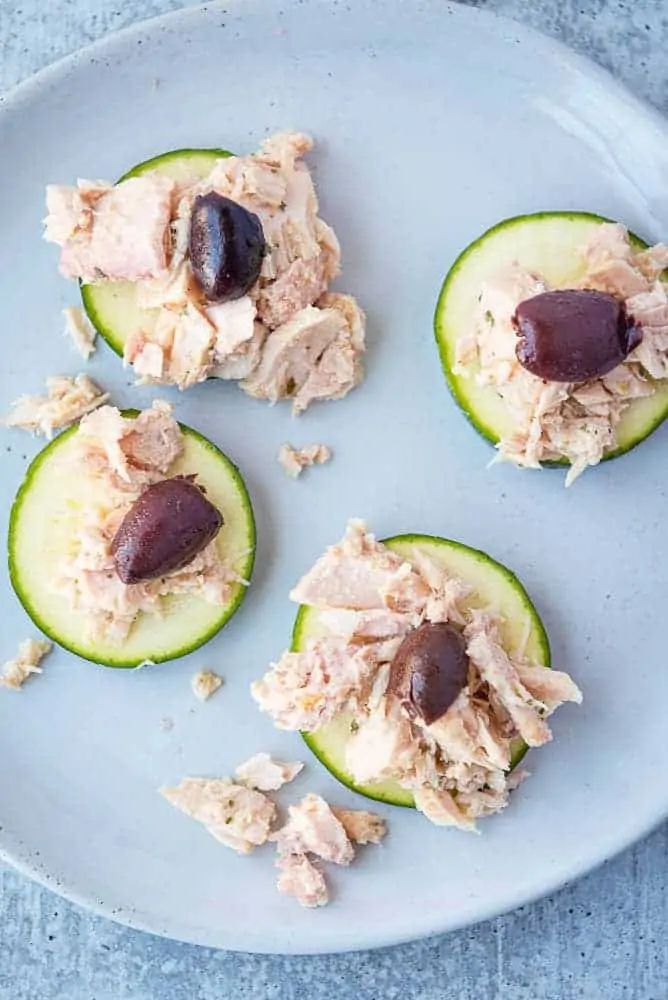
(433, 122)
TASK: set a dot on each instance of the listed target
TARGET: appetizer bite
(131, 538)
(201, 264)
(553, 335)
(417, 674)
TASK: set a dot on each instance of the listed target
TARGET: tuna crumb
(80, 331)
(361, 827)
(67, 400)
(30, 655)
(294, 460)
(238, 817)
(205, 683)
(266, 774)
(300, 878)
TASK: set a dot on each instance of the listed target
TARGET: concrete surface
(605, 938)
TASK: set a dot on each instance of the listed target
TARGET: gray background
(606, 937)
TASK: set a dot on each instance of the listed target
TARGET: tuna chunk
(447, 593)
(340, 367)
(466, 735)
(27, 662)
(80, 331)
(295, 460)
(172, 289)
(653, 262)
(301, 879)
(153, 440)
(496, 668)
(237, 816)
(551, 687)
(313, 828)
(205, 683)
(441, 808)
(284, 148)
(243, 361)
(650, 310)
(292, 351)
(192, 346)
(305, 690)
(365, 626)
(383, 746)
(266, 774)
(148, 444)
(299, 286)
(118, 232)
(361, 827)
(66, 401)
(234, 323)
(359, 574)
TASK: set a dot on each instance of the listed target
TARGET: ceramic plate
(433, 122)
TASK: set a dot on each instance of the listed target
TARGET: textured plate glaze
(427, 137)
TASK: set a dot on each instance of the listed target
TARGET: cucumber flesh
(42, 527)
(549, 244)
(493, 586)
(111, 306)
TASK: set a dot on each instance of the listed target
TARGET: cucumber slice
(493, 586)
(111, 306)
(42, 523)
(547, 243)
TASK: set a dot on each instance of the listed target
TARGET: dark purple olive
(226, 247)
(573, 335)
(429, 670)
(166, 527)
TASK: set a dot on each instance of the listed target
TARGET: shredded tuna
(305, 690)
(312, 828)
(295, 460)
(27, 662)
(361, 574)
(309, 357)
(67, 400)
(266, 774)
(237, 816)
(300, 878)
(127, 455)
(560, 420)
(441, 808)
(118, 232)
(205, 683)
(368, 599)
(288, 338)
(361, 827)
(80, 331)
(316, 829)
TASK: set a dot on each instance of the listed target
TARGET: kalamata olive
(164, 529)
(429, 670)
(573, 335)
(226, 247)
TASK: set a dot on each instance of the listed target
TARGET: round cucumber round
(43, 526)
(549, 244)
(493, 586)
(111, 306)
